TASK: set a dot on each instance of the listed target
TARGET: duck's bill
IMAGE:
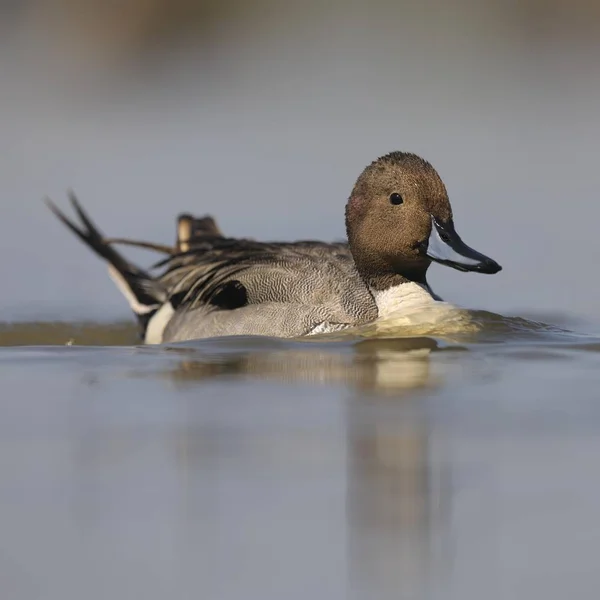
(446, 248)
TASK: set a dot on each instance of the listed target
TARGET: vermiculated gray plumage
(289, 289)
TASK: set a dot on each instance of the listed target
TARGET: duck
(398, 222)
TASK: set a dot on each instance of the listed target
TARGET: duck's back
(242, 287)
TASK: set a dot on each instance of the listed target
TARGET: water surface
(413, 467)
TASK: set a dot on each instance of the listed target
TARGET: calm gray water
(256, 468)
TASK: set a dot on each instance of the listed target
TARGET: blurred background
(264, 114)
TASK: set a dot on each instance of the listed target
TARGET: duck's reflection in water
(395, 503)
(372, 365)
(394, 485)
(266, 490)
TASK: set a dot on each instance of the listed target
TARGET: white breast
(412, 309)
(402, 298)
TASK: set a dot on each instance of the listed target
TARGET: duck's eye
(396, 198)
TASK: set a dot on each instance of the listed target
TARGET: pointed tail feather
(162, 248)
(144, 294)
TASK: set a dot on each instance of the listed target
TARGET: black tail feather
(144, 294)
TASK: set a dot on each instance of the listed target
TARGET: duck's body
(278, 290)
(216, 286)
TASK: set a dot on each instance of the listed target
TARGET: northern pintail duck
(398, 220)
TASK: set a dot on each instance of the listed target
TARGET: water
(415, 467)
